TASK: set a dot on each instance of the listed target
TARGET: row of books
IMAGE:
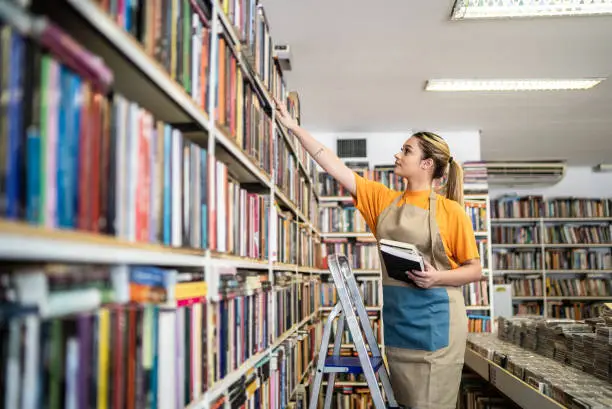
(243, 218)
(368, 288)
(176, 33)
(565, 234)
(77, 139)
(337, 219)
(240, 111)
(573, 234)
(574, 259)
(291, 181)
(184, 50)
(272, 382)
(579, 259)
(475, 392)
(479, 323)
(476, 293)
(362, 255)
(514, 234)
(310, 249)
(477, 213)
(300, 298)
(527, 308)
(525, 286)
(475, 177)
(102, 336)
(346, 337)
(384, 174)
(287, 236)
(250, 314)
(594, 286)
(248, 20)
(482, 243)
(536, 206)
(558, 309)
(510, 259)
(531, 286)
(574, 310)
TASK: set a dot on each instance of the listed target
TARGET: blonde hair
(436, 148)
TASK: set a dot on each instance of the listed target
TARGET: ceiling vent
(533, 174)
(351, 148)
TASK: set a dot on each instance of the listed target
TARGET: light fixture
(459, 85)
(488, 9)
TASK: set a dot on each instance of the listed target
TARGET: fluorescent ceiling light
(475, 9)
(510, 84)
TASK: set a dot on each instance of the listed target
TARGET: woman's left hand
(425, 279)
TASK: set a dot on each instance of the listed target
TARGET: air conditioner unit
(603, 167)
(517, 173)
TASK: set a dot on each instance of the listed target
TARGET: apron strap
(385, 212)
(432, 225)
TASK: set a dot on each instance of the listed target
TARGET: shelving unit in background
(555, 252)
(147, 152)
(478, 295)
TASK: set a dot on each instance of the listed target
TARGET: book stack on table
(568, 360)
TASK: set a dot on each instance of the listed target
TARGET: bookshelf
(478, 295)
(555, 252)
(182, 223)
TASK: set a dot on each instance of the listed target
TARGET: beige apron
(425, 330)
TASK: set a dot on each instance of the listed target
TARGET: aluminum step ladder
(350, 311)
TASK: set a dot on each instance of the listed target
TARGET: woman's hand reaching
(284, 117)
(323, 156)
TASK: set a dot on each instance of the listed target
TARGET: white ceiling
(362, 65)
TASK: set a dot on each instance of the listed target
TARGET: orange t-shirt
(453, 222)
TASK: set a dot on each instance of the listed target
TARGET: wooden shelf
(22, 241)
(551, 219)
(347, 235)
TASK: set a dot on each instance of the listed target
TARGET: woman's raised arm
(324, 157)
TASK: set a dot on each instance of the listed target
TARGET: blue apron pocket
(416, 318)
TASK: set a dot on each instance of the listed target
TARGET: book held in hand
(400, 257)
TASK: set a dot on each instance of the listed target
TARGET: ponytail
(434, 147)
(454, 182)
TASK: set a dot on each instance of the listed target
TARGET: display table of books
(547, 363)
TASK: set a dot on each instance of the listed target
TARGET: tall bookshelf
(153, 204)
(478, 295)
(555, 253)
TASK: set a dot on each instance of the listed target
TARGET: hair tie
(450, 160)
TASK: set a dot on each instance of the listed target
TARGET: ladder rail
(348, 300)
(351, 283)
(316, 389)
(350, 311)
(331, 378)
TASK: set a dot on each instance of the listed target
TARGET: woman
(425, 324)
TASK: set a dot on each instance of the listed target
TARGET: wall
(382, 146)
(579, 181)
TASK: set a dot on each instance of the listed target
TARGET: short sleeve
(371, 199)
(461, 233)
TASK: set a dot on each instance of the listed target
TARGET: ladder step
(349, 364)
